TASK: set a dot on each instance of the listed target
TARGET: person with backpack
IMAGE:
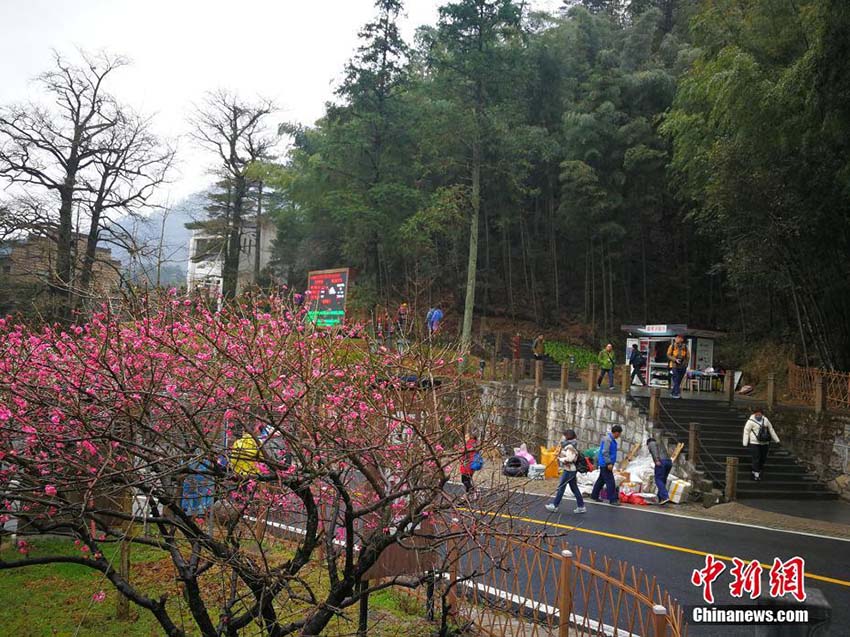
(606, 360)
(470, 462)
(758, 434)
(637, 360)
(606, 458)
(663, 466)
(432, 320)
(538, 348)
(570, 461)
(678, 356)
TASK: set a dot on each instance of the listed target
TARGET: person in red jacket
(466, 471)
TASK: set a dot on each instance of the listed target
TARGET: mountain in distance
(175, 243)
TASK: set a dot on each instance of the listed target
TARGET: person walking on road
(677, 354)
(567, 458)
(605, 459)
(758, 434)
(637, 361)
(663, 465)
(538, 348)
(607, 360)
(466, 459)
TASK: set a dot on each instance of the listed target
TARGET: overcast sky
(292, 51)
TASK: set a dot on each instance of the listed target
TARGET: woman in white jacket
(758, 433)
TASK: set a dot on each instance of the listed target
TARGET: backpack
(582, 464)
(763, 434)
(477, 462)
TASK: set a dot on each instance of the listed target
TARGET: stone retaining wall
(821, 441)
(538, 416)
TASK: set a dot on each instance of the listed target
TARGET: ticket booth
(653, 341)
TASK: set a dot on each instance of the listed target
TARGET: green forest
(644, 161)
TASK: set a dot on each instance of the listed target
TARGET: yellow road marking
(635, 540)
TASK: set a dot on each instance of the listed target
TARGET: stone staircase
(720, 433)
(551, 369)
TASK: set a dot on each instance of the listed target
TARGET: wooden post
(659, 621)
(453, 557)
(565, 376)
(493, 373)
(522, 368)
(592, 372)
(654, 403)
(625, 379)
(122, 610)
(515, 374)
(498, 346)
(820, 394)
(731, 478)
(565, 593)
(506, 368)
(538, 373)
(771, 391)
(729, 386)
(693, 442)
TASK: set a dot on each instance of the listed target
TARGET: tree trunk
(230, 269)
(472, 263)
(258, 233)
(643, 272)
(604, 287)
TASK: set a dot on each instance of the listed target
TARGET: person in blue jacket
(432, 320)
(606, 458)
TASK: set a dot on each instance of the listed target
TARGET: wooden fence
(545, 588)
(803, 385)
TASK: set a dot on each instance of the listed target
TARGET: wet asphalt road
(638, 530)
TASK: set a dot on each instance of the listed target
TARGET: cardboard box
(679, 491)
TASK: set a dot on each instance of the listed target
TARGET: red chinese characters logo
(747, 578)
(705, 577)
(788, 578)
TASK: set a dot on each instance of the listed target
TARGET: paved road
(671, 547)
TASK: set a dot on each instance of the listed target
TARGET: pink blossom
(50, 490)
(99, 596)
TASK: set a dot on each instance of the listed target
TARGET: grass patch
(56, 600)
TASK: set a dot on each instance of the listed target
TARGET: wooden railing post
(729, 386)
(659, 621)
(565, 376)
(493, 373)
(771, 391)
(731, 478)
(538, 373)
(453, 557)
(515, 376)
(693, 442)
(592, 372)
(654, 403)
(565, 593)
(820, 394)
(522, 368)
(625, 379)
(506, 368)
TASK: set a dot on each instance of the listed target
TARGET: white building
(206, 258)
